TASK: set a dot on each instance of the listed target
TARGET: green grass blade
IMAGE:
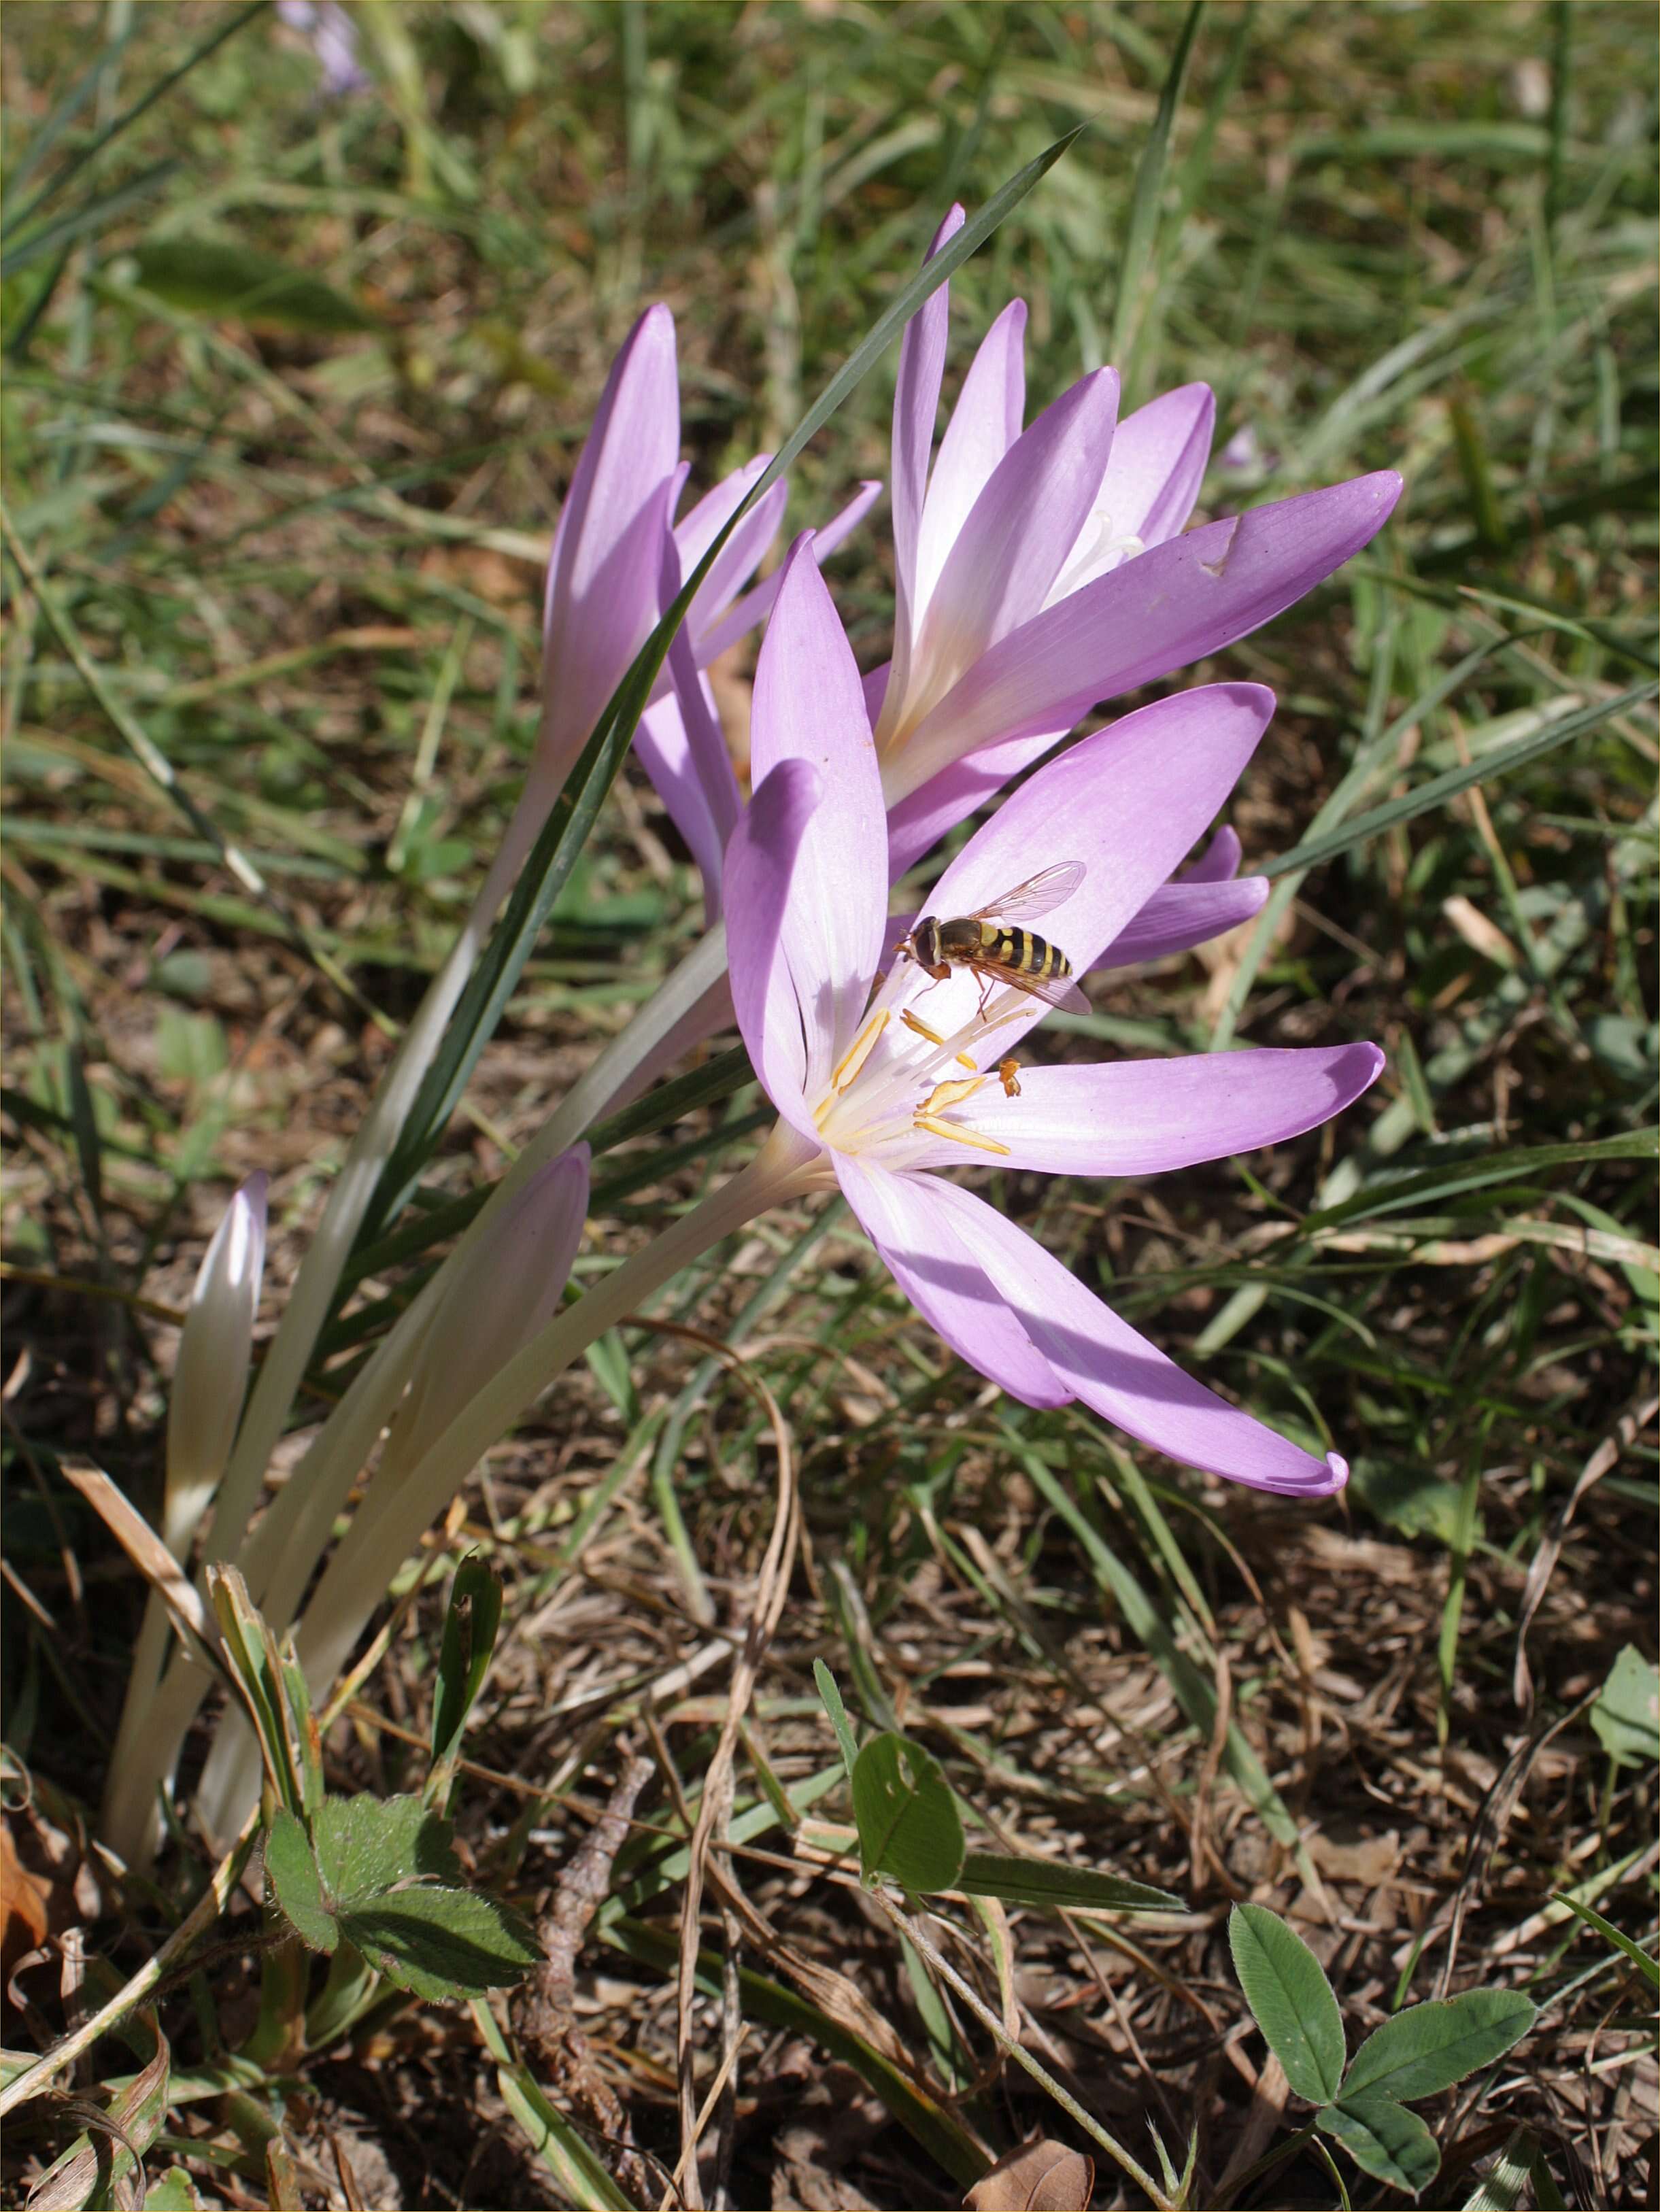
(1137, 270)
(1440, 788)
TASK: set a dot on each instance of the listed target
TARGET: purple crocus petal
(1127, 803)
(1180, 915)
(603, 572)
(739, 557)
(1174, 605)
(739, 620)
(919, 1247)
(1021, 529)
(919, 819)
(1220, 859)
(1118, 1373)
(915, 406)
(984, 423)
(757, 891)
(681, 780)
(1158, 464)
(1141, 1117)
(808, 705)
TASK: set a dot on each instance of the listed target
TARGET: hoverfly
(991, 946)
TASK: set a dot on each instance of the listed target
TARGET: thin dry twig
(544, 2011)
(1620, 1438)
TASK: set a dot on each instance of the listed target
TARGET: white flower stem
(389, 1524)
(280, 1556)
(284, 1365)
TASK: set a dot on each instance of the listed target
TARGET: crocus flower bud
(505, 1288)
(215, 1353)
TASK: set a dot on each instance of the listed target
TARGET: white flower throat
(893, 1091)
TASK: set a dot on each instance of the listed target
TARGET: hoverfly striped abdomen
(1022, 951)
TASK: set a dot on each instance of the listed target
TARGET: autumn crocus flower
(210, 1376)
(1039, 571)
(881, 1085)
(619, 556)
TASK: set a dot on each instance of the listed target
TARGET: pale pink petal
(603, 572)
(984, 423)
(739, 620)
(1118, 1373)
(1158, 464)
(740, 556)
(919, 819)
(808, 705)
(665, 753)
(916, 408)
(758, 891)
(1169, 607)
(1128, 803)
(1182, 914)
(947, 1285)
(1141, 1117)
(1021, 529)
(1220, 859)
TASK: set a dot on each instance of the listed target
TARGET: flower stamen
(914, 1021)
(935, 1128)
(858, 1051)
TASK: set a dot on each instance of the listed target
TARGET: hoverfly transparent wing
(1038, 895)
(1060, 991)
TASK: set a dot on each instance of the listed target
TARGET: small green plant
(373, 1882)
(910, 1833)
(1362, 2102)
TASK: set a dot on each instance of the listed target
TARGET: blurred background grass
(294, 383)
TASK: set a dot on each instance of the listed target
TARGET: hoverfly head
(923, 943)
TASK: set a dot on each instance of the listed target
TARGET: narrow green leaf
(92, 215)
(1290, 1999)
(1440, 788)
(365, 1845)
(443, 1942)
(908, 1825)
(1520, 1164)
(470, 1623)
(838, 1715)
(292, 1872)
(1430, 2046)
(1647, 1964)
(210, 276)
(1058, 1888)
(1501, 2188)
(928, 2120)
(1136, 269)
(579, 2175)
(1390, 2143)
(1627, 1714)
(86, 154)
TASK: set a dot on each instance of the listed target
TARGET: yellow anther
(858, 1051)
(1008, 1075)
(950, 1094)
(935, 1128)
(921, 1028)
(965, 1059)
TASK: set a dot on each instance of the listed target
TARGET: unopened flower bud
(214, 1352)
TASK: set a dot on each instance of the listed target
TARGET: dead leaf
(24, 1913)
(1041, 2176)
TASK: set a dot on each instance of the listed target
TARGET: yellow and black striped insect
(994, 947)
